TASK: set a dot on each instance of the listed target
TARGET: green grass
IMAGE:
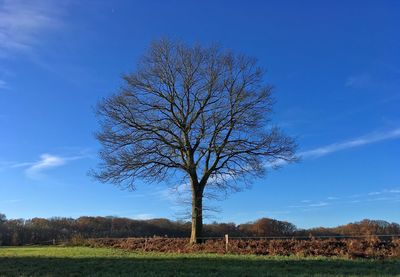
(83, 261)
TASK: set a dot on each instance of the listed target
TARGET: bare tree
(194, 112)
(3, 218)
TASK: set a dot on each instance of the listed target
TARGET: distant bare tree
(3, 218)
(200, 111)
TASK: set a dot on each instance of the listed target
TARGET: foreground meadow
(84, 261)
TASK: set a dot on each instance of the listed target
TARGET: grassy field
(83, 261)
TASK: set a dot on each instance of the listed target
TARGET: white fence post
(226, 242)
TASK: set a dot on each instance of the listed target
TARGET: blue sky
(335, 66)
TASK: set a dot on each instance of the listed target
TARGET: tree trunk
(197, 217)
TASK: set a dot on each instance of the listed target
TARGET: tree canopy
(203, 114)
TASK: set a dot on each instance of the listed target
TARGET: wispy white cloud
(310, 205)
(23, 22)
(368, 81)
(332, 198)
(357, 142)
(10, 201)
(272, 212)
(45, 162)
(392, 195)
(320, 204)
(143, 216)
(375, 193)
(3, 84)
(354, 201)
(23, 26)
(170, 194)
(276, 164)
(334, 147)
(48, 161)
(387, 195)
(385, 191)
(359, 81)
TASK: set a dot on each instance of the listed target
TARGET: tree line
(41, 230)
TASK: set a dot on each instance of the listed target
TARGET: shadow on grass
(194, 266)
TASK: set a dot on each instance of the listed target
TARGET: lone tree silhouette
(194, 112)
